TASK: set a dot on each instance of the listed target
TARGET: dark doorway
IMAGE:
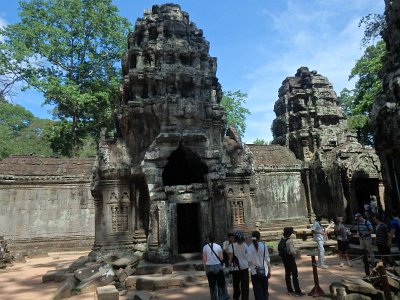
(364, 188)
(183, 168)
(188, 229)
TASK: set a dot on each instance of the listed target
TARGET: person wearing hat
(289, 262)
(364, 230)
(238, 257)
(260, 266)
(319, 237)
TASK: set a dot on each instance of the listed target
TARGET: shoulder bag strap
(238, 264)
(263, 255)
(215, 253)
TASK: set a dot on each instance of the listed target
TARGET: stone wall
(279, 190)
(45, 203)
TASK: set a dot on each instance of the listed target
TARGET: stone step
(166, 281)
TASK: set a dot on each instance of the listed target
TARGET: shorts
(343, 246)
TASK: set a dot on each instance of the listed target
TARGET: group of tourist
(366, 224)
(240, 257)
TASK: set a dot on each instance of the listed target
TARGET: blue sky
(258, 43)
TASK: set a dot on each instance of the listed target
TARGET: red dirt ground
(23, 281)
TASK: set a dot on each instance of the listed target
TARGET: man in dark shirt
(382, 239)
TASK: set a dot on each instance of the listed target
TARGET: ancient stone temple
(385, 115)
(307, 115)
(160, 182)
(339, 175)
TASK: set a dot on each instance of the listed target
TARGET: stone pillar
(116, 215)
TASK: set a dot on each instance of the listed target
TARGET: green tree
(69, 51)
(236, 113)
(21, 132)
(260, 142)
(357, 103)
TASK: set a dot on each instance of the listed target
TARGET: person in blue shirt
(364, 230)
(395, 229)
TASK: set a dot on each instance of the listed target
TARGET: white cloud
(3, 22)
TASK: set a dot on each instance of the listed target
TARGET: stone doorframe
(162, 238)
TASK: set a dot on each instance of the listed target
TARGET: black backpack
(282, 247)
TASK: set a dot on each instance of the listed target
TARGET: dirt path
(24, 280)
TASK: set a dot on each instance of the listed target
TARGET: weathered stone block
(125, 261)
(158, 283)
(129, 270)
(358, 286)
(142, 295)
(145, 269)
(79, 263)
(108, 292)
(103, 277)
(60, 277)
(121, 275)
(356, 296)
(86, 272)
(49, 276)
(65, 290)
(130, 282)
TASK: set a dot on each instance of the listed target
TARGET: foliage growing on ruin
(69, 51)
(357, 103)
(260, 142)
(236, 113)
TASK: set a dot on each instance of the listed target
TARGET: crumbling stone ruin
(160, 182)
(6, 257)
(307, 115)
(173, 171)
(385, 115)
(338, 173)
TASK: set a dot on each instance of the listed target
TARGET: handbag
(260, 271)
(235, 262)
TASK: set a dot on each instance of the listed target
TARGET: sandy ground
(24, 280)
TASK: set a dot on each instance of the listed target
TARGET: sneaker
(349, 264)
(341, 264)
(291, 293)
(323, 266)
(300, 294)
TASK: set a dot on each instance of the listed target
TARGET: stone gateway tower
(159, 182)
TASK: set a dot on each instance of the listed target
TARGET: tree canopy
(260, 142)
(22, 133)
(236, 113)
(69, 51)
(357, 103)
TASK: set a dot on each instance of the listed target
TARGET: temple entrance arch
(184, 167)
